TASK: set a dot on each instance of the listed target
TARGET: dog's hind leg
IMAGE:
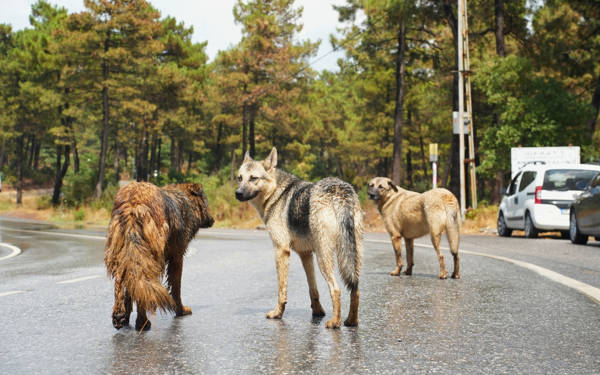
(325, 262)
(435, 240)
(174, 270)
(142, 321)
(352, 319)
(410, 251)
(453, 236)
(128, 307)
(397, 244)
(309, 268)
(120, 315)
(282, 260)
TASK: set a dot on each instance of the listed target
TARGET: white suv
(539, 197)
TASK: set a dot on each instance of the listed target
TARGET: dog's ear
(196, 190)
(271, 161)
(392, 186)
(247, 157)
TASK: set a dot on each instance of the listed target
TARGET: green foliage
(79, 214)
(79, 187)
(533, 111)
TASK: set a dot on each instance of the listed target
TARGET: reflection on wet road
(497, 319)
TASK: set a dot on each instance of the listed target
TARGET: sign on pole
(519, 156)
(433, 158)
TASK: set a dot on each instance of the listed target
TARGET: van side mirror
(503, 191)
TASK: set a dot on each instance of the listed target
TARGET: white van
(539, 197)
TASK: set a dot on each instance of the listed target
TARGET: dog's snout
(239, 195)
(209, 221)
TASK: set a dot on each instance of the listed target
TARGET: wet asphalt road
(497, 319)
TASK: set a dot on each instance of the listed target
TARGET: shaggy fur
(323, 218)
(409, 215)
(149, 231)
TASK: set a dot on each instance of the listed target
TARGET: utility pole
(464, 97)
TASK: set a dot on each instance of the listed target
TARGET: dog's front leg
(397, 243)
(282, 261)
(174, 271)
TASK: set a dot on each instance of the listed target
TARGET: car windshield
(567, 179)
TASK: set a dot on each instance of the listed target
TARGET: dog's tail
(453, 225)
(134, 257)
(349, 217)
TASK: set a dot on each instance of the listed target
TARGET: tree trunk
(151, 168)
(217, 151)
(36, 155)
(179, 155)
(158, 161)
(409, 168)
(252, 119)
(3, 153)
(173, 154)
(400, 72)
(423, 158)
(244, 129)
(596, 106)
(32, 151)
(499, 32)
(104, 139)
(232, 177)
(20, 170)
(61, 171)
(117, 154)
(75, 156)
(190, 161)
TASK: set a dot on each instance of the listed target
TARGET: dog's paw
(317, 309)
(143, 324)
(274, 314)
(396, 272)
(184, 311)
(120, 320)
(408, 272)
(455, 276)
(351, 322)
(443, 275)
(333, 323)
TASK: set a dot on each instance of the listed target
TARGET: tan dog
(412, 215)
(322, 218)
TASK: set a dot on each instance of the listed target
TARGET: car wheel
(574, 234)
(503, 230)
(530, 229)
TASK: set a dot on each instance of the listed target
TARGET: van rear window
(567, 179)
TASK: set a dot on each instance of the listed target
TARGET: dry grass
(37, 207)
(227, 212)
(481, 220)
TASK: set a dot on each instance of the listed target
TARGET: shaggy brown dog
(150, 229)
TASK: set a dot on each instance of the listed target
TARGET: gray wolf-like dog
(409, 215)
(323, 218)
(149, 231)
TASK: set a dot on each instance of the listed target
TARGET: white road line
(55, 233)
(588, 290)
(14, 251)
(11, 293)
(78, 279)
